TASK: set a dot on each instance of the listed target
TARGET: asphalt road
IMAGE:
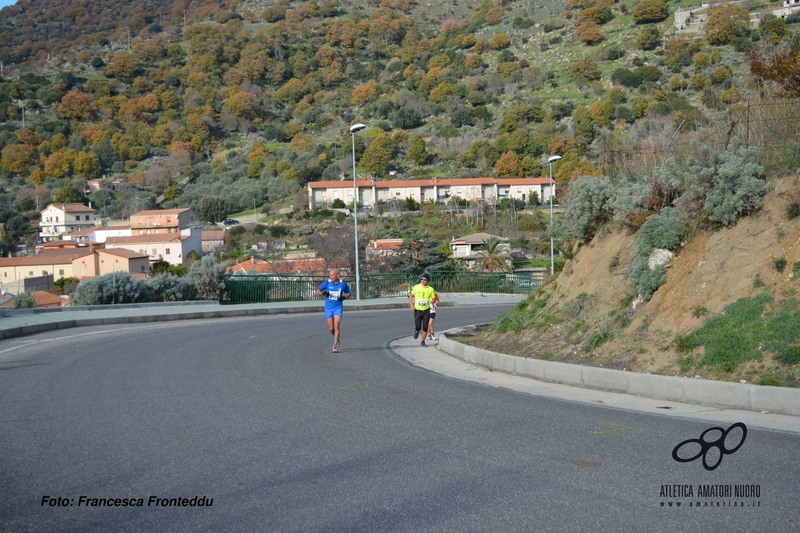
(258, 415)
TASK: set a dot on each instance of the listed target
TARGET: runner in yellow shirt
(420, 300)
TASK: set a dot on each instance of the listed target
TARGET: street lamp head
(357, 127)
(554, 158)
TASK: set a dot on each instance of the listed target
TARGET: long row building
(486, 190)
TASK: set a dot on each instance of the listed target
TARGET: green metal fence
(259, 288)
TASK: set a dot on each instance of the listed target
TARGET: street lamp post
(552, 260)
(353, 129)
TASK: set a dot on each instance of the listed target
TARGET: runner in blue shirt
(335, 291)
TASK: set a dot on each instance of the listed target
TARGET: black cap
(425, 276)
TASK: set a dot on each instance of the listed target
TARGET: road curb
(725, 394)
(58, 318)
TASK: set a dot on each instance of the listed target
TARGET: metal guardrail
(261, 288)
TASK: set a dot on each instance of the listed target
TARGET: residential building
(58, 219)
(121, 260)
(382, 248)
(324, 193)
(380, 253)
(789, 7)
(40, 299)
(67, 259)
(98, 234)
(465, 248)
(57, 263)
(170, 247)
(282, 267)
(213, 241)
(160, 221)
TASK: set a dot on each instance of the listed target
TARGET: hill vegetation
(254, 99)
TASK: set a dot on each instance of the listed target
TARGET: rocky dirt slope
(592, 315)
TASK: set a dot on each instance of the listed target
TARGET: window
(5, 274)
(167, 251)
(458, 191)
(519, 189)
(44, 272)
(142, 268)
(336, 193)
(397, 193)
(61, 272)
(77, 217)
(155, 252)
(349, 193)
(30, 272)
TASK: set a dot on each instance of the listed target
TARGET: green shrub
(588, 205)
(648, 73)
(170, 288)
(24, 300)
(793, 211)
(649, 39)
(646, 280)
(648, 11)
(626, 77)
(117, 287)
(726, 186)
(665, 230)
(597, 339)
(205, 275)
(780, 264)
(789, 356)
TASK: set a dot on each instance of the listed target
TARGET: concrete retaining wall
(670, 388)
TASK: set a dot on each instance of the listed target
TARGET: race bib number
(422, 302)
(334, 295)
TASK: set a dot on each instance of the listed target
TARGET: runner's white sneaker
(432, 337)
(335, 348)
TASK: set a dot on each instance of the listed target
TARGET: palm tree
(494, 256)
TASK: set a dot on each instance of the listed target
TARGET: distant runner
(434, 307)
(335, 292)
(420, 300)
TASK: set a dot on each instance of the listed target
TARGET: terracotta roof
(213, 235)
(41, 299)
(72, 208)
(54, 257)
(381, 184)
(66, 243)
(477, 238)
(80, 232)
(386, 244)
(175, 211)
(122, 252)
(144, 239)
(75, 251)
(309, 267)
